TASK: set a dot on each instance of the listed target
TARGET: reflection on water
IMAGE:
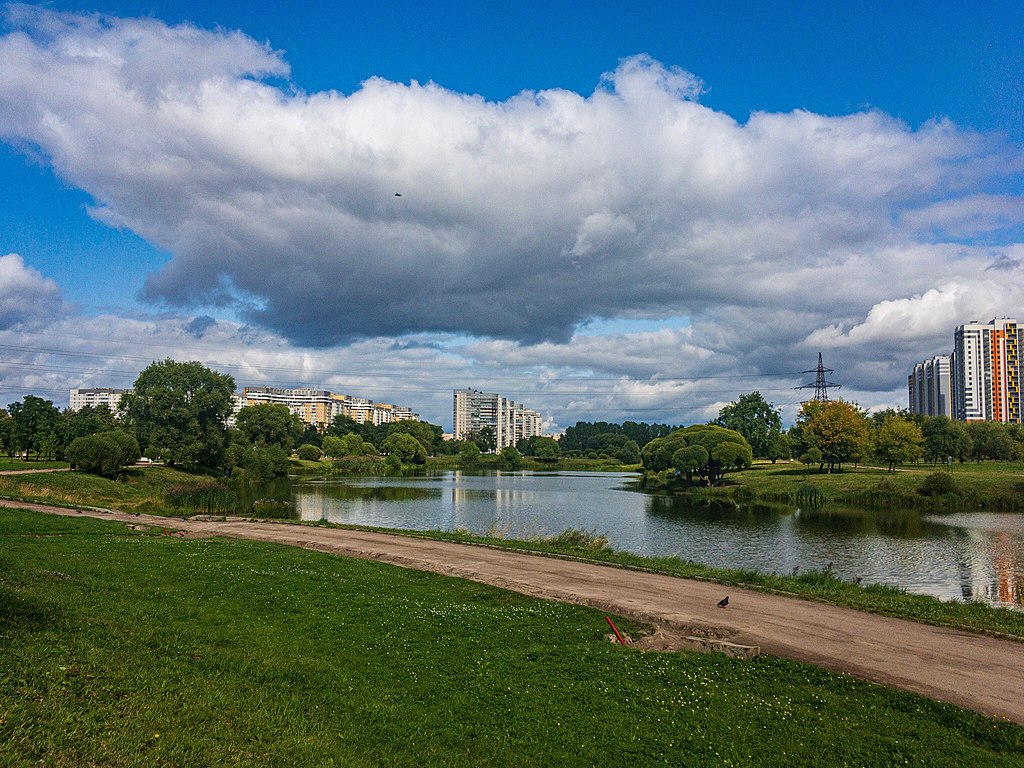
(953, 556)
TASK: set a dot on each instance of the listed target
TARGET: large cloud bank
(516, 222)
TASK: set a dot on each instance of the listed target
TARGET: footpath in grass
(131, 648)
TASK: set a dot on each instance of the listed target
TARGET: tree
(269, 424)
(485, 440)
(898, 441)
(811, 456)
(406, 448)
(721, 449)
(103, 453)
(754, 418)
(87, 421)
(545, 448)
(182, 408)
(6, 433)
(36, 426)
(510, 458)
(990, 440)
(469, 455)
(779, 447)
(836, 428)
(429, 435)
(944, 438)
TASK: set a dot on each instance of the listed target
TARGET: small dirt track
(981, 673)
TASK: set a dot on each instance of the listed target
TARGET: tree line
(179, 412)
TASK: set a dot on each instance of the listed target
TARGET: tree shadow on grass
(19, 613)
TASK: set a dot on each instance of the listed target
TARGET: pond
(975, 555)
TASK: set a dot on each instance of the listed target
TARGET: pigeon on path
(723, 602)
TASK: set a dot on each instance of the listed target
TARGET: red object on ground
(614, 629)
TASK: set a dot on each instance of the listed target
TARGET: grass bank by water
(986, 485)
(133, 649)
(148, 489)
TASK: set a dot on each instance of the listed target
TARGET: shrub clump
(938, 484)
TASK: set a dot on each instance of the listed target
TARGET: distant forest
(602, 436)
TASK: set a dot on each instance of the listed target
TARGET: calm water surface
(976, 555)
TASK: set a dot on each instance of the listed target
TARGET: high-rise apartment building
(986, 371)
(930, 387)
(510, 421)
(94, 396)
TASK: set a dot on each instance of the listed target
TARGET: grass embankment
(147, 489)
(989, 485)
(8, 464)
(134, 649)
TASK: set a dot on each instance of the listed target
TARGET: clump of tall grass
(809, 495)
(578, 539)
(212, 498)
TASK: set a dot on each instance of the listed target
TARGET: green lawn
(7, 463)
(996, 485)
(142, 490)
(134, 649)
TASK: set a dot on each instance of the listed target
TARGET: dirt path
(981, 673)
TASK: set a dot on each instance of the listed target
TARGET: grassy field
(143, 490)
(133, 649)
(7, 463)
(991, 485)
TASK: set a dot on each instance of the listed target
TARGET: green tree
(103, 453)
(990, 440)
(779, 447)
(944, 438)
(6, 433)
(485, 440)
(545, 448)
(269, 424)
(428, 434)
(898, 441)
(510, 458)
(36, 426)
(182, 408)
(754, 418)
(469, 455)
(725, 450)
(406, 448)
(836, 428)
(87, 421)
(811, 456)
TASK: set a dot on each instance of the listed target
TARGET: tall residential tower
(986, 371)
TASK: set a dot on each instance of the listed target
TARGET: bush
(938, 484)
(308, 452)
(103, 453)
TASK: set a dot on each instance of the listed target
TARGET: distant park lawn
(8, 463)
(131, 648)
(991, 484)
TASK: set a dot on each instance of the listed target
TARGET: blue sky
(931, 235)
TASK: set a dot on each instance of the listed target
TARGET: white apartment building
(511, 422)
(94, 396)
(930, 387)
(319, 407)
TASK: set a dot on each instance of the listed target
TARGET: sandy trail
(982, 673)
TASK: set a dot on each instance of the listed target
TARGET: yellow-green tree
(836, 428)
(898, 441)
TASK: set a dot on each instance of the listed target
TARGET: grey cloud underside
(516, 220)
